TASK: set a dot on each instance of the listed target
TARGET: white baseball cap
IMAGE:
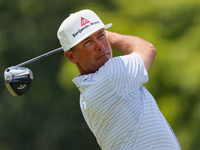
(79, 26)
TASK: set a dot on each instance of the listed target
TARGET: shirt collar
(78, 81)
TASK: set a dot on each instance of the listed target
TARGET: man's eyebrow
(101, 31)
(86, 39)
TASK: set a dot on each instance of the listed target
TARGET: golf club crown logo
(21, 87)
(84, 24)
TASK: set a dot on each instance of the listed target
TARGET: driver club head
(18, 80)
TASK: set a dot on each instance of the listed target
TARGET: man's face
(92, 53)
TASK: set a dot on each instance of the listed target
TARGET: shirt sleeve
(128, 71)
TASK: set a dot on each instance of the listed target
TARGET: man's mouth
(102, 55)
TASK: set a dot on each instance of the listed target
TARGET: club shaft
(40, 57)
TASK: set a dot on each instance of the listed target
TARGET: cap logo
(84, 21)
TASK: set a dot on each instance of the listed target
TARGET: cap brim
(104, 27)
(107, 26)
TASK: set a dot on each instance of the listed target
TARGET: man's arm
(132, 44)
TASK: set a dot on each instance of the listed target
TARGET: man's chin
(103, 61)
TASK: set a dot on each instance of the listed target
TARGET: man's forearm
(125, 43)
(131, 44)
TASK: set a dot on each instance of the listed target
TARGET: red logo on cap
(84, 21)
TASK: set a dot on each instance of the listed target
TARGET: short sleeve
(128, 71)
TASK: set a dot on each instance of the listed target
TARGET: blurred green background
(48, 116)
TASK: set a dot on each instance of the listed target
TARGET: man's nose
(99, 45)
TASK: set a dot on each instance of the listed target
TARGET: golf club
(18, 79)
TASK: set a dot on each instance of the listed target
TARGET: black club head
(18, 80)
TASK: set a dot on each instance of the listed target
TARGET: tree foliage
(48, 117)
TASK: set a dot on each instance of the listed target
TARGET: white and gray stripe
(120, 111)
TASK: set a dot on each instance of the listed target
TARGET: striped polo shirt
(120, 111)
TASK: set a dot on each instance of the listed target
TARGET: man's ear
(70, 56)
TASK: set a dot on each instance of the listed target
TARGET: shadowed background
(48, 116)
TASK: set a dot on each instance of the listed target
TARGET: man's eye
(88, 41)
(101, 35)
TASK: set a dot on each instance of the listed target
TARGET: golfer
(118, 109)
